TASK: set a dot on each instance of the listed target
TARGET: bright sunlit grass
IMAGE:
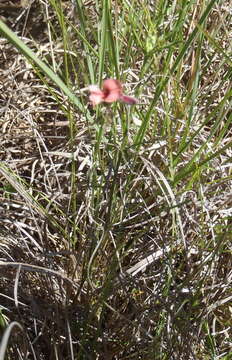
(116, 218)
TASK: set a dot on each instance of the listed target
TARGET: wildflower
(111, 92)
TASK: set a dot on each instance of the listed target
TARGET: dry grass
(112, 247)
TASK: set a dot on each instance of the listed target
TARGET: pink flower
(111, 91)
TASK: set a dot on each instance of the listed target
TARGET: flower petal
(96, 95)
(128, 99)
(112, 90)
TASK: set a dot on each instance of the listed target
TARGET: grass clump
(116, 220)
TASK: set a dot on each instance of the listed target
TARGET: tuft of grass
(115, 236)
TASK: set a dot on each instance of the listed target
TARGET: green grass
(116, 226)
